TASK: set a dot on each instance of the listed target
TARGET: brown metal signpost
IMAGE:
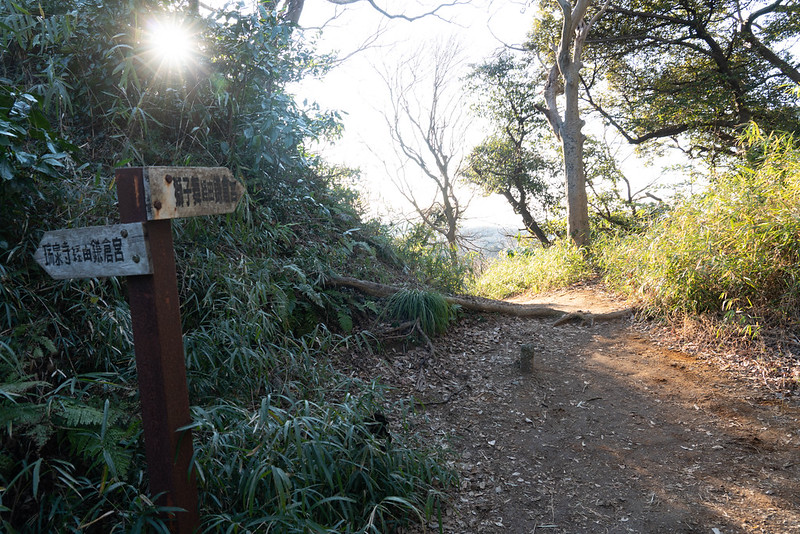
(142, 249)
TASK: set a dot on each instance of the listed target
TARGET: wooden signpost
(142, 249)
(94, 251)
(175, 192)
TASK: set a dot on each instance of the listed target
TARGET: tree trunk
(521, 207)
(533, 227)
(567, 67)
(572, 139)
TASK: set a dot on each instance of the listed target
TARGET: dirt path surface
(609, 433)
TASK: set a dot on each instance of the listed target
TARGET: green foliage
(533, 269)
(426, 307)
(514, 161)
(520, 160)
(30, 153)
(23, 127)
(305, 467)
(432, 262)
(701, 69)
(257, 322)
(66, 459)
(226, 106)
(497, 166)
(733, 250)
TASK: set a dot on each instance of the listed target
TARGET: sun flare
(171, 43)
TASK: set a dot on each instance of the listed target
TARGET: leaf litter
(612, 431)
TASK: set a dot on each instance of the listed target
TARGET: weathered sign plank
(175, 192)
(95, 251)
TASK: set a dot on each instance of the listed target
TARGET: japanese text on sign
(95, 251)
(174, 192)
(192, 191)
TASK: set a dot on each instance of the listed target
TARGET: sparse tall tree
(427, 123)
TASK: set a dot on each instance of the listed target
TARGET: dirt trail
(609, 433)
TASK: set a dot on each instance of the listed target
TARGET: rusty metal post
(160, 365)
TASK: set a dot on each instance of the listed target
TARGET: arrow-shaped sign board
(95, 251)
(175, 192)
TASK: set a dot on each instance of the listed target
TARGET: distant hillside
(490, 239)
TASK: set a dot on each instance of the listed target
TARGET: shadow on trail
(648, 428)
(613, 434)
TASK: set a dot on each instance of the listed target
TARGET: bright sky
(355, 87)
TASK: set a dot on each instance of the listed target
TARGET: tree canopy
(517, 160)
(700, 70)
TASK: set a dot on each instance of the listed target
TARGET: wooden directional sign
(95, 251)
(148, 198)
(160, 365)
(175, 192)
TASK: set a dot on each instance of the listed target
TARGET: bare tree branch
(427, 125)
(410, 18)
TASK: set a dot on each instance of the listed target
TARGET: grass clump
(734, 250)
(535, 270)
(427, 307)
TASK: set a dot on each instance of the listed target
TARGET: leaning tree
(514, 161)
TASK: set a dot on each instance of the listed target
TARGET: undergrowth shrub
(734, 250)
(434, 263)
(299, 466)
(429, 308)
(533, 269)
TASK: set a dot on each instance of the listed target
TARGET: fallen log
(485, 305)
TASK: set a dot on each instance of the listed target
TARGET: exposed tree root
(488, 305)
